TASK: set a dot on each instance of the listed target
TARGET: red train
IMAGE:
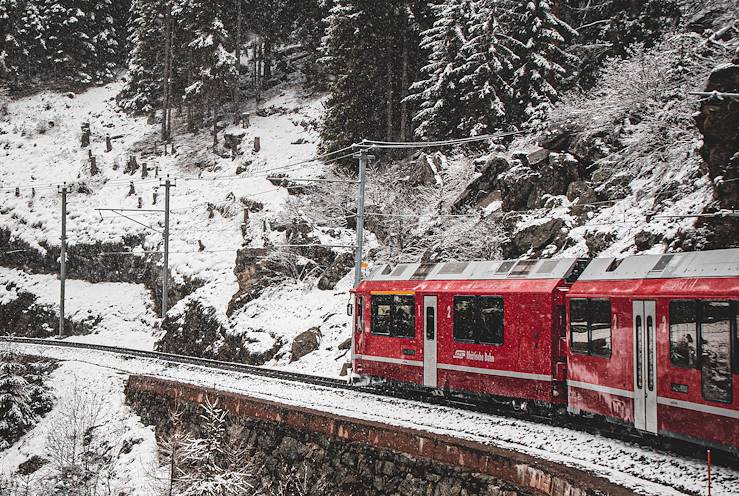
(651, 341)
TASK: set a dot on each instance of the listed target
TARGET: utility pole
(363, 159)
(63, 257)
(165, 269)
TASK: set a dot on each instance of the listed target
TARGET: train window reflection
(590, 327)
(600, 327)
(715, 332)
(491, 320)
(394, 315)
(579, 326)
(464, 318)
(479, 319)
(683, 334)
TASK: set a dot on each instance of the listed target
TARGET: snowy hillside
(40, 142)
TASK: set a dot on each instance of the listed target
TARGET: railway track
(583, 424)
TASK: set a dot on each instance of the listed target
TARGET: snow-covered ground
(645, 471)
(40, 149)
(121, 313)
(134, 469)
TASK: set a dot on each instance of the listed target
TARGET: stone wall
(330, 454)
(321, 465)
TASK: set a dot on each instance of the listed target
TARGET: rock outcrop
(304, 343)
(718, 121)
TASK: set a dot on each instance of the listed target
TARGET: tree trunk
(215, 127)
(166, 75)
(404, 79)
(267, 62)
(237, 89)
(390, 95)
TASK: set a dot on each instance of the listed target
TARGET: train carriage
(484, 328)
(654, 343)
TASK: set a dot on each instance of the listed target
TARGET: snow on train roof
(504, 269)
(715, 263)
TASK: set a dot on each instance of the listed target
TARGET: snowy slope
(38, 156)
(124, 316)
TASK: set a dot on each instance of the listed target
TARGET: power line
(126, 182)
(433, 144)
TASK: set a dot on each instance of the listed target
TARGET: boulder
(558, 137)
(538, 157)
(644, 240)
(345, 345)
(483, 186)
(617, 187)
(304, 343)
(597, 241)
(581, 191)
(341, 265)
(232, 138)
(535, 237)
(516, 186)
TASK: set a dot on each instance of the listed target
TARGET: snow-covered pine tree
(16, 409)
(212, 65)
(439, 95)
(544, 64)
(143, 89)
(370, 49)
(488, 66)
(213, 464)
(21, 40)
(81, 39)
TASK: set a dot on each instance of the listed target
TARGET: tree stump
(85, 134)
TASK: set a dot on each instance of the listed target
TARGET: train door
(645, 366)
(430, 327)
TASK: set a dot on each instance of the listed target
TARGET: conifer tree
(143, 89)
(488, 67)
(212, 65)
(360, 50)
(439, 95)
(544, 62)
(81, 39)
(21, 40)
(16, 409)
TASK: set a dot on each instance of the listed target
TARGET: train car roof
(700, 264)
(478, 271)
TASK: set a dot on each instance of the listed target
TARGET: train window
(360, 315)
(465, 319)
(394, 315)
(590, 327)
(579, 326)
(600, 328)
(479, 319)
(491, 320)
(715, 332)
(683, 333)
